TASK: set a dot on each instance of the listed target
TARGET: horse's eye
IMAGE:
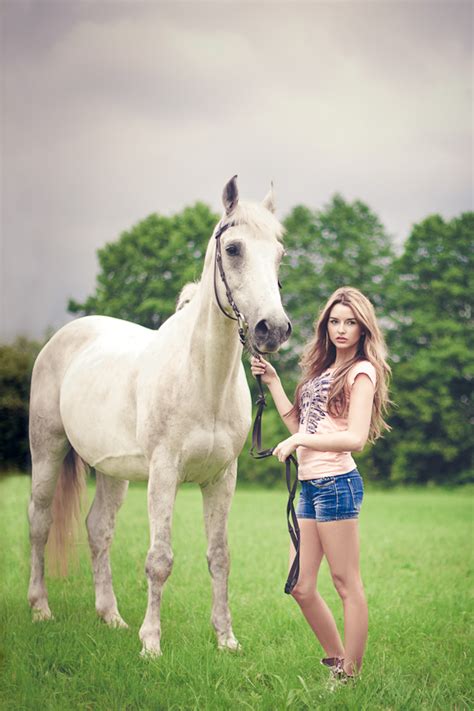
(232, 250)
(279, 284)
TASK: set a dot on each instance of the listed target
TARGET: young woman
(339, 405)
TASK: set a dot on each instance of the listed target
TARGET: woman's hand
(262, 367)
(283, 449)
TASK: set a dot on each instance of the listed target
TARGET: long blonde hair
(320, 353)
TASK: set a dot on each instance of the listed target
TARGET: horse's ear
(269, 199)
(230, 195)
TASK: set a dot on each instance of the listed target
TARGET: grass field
(416, 564)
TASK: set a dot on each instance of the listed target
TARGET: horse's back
(70, 340)
(84, 383)
(48, 372)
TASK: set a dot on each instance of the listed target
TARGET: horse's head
(251, 249)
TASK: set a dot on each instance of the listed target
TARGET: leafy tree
(432, 345)
(142, 272)
(342, 244)
(16, 364)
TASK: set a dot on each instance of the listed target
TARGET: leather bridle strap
(242, 324)
(257, 452)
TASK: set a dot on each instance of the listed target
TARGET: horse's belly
(133, 467)
(205, 455)
(98, 412)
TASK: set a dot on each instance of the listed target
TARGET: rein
(256, 450)
(293, 527)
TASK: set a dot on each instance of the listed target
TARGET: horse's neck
(215, 344)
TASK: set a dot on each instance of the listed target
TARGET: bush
(16, 364)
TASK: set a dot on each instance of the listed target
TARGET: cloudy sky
(115, 109)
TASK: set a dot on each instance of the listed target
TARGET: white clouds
(115, 110)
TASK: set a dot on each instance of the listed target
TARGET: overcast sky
(113, 110)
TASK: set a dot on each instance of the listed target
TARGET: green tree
(431, 342)
(342, 244)
(142, 272)
(16, 364)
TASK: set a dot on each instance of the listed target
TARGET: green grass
(416, 556)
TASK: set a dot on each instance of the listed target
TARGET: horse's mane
(258, 218)
(186, 294)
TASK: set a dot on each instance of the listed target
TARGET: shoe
(333, 663)
(344, 678)
(336, 666)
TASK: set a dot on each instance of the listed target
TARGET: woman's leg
(313, 607)
(340, 543)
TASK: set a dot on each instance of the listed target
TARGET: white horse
(166, 406)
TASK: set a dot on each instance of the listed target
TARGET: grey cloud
(114, 110)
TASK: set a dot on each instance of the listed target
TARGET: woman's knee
(303, 592)
(348, 587)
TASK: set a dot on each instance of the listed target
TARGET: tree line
(421, 297)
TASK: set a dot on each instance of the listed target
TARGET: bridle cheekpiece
(238, 316)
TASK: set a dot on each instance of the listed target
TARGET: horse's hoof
(151, 652)
(115, 621)
(41, 614)
(230, 644)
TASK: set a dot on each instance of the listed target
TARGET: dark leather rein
(256, 450)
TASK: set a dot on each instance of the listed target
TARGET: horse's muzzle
(269, 334)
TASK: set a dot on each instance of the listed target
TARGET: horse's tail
(66, 510)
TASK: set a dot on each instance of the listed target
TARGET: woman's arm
(351, 440)
(271, 379)
(283, 405)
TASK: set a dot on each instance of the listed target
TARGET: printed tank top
(314, 418)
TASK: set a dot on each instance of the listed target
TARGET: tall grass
(416, 560)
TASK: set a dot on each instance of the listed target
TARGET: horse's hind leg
(45, 472)
(109, 496)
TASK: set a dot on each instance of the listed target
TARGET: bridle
(256, 450)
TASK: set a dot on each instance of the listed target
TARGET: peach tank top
(314, 418)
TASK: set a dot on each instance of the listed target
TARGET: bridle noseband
(256, 450)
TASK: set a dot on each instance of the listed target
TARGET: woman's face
(343, 328)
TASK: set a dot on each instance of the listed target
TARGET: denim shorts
(331, 498)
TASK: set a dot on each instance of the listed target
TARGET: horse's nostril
(288, 330)
(261, 329)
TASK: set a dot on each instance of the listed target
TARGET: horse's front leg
(162, 487)
(217, 499)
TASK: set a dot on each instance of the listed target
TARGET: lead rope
(257, 452)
